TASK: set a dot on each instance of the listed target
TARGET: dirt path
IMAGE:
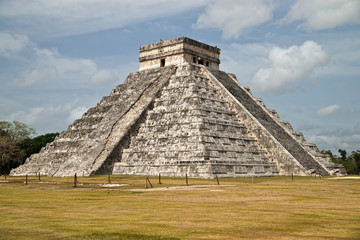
(191, 187)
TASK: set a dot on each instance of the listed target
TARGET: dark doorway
(162, 63)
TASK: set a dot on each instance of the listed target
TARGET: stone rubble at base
(180, 115)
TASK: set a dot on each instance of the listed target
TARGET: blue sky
(58, 58)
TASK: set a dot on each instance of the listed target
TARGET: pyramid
(180, 115)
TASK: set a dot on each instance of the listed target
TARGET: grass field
(268, 208)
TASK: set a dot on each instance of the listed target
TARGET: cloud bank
(44, 80)
(48, 65)
(35, 116)
(331, 109)
(76, 113)
(12, 44)
(344, 138)
(102, 77)
(234, 17)
(66, 18)
(289, 65)
(323, 14)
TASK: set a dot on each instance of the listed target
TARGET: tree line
(351, 162)
(17, 144)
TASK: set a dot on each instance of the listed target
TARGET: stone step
(272, 126)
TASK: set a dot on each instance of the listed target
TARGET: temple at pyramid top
(178, 51)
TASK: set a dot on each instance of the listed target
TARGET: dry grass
(269, 208)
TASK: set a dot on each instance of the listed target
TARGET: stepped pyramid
(179, 114)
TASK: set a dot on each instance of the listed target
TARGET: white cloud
(324, 14)
(234, 17)
(344, 50)
(47, 116)
(289, 65)
(7, 105)
(52, 59)
(29, 116)
(357, 127)
(76, 113)
(244, 60)
(33, 115)
(327, 110)
(33, 76)
(11, 44)
(48, 65)
(344, 138)
(64, 18)
(102, 77)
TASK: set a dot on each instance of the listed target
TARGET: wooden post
(75, 180)
(5, 176)
(217, 179)
(109, 178)
(149, 182)
(187, 184)
(26, 179)
(160, 179)
(292, 176)
(252, 179)
(146, 182)
(39, 177)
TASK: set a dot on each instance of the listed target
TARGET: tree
(351, 162)
(354, 162)
(332, 156)
(17, 130)
(342, 155)
(34, 145)
(11, 155)
(16, 144)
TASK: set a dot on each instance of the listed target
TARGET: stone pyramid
(179, 114)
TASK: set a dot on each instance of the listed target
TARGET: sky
(302, 57)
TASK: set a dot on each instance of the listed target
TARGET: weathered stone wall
(276, 153)
(177, 51)
(191, 130)
(177, 41)
(306, 154)
(323, 159)
(87, 143)
(175, 59)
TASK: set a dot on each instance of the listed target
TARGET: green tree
(11, 155)
(333, 157)
(351, 162)
(34, 145)
(17, 130)
(16, 144)
(354, 162)
(342, 155)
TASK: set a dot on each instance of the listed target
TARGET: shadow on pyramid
(180, 115)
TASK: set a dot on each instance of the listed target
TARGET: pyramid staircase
(192, 130)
